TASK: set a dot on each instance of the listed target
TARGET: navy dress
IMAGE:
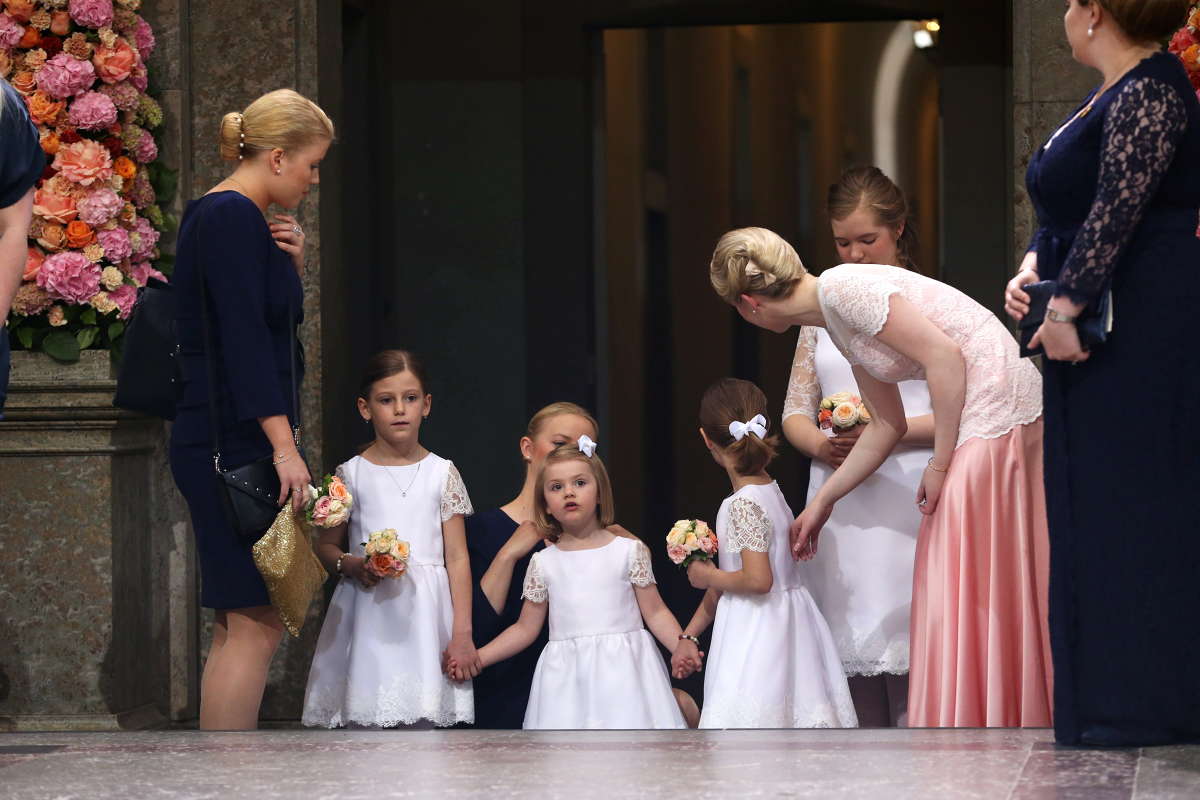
(21, 164)
(501, 690)
(1117, 194)
(255, 299)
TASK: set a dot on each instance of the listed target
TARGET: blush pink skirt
(980, 646)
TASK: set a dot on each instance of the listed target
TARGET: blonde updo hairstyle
(729, 400)
(605, 510)
(282, 119)
(547, 413)
(1146, 21)
(754, 261)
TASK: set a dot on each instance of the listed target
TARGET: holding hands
(687, 658)
(461, 661)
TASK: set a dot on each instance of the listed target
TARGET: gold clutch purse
(291, 570)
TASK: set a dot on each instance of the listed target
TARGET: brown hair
(555, 410)
(868, 188)
(754, 261)
(281, 119)
(387, 363)
(604, 495)
(1146, 20)
(731, 399)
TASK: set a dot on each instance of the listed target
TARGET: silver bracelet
(277, 461)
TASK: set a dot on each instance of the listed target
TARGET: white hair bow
(757, 426)
(586, 445)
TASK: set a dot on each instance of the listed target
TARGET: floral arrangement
(1186, 45)
(387, 555)
(691, 540)
(330, 505)
(80, 66)
(841, 411)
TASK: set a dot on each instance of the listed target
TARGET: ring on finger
(297, 230)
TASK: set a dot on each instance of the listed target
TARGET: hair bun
(231, 136)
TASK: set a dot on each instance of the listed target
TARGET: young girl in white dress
(378, 659)
(772, 663)
(863, 577)
(600, 668)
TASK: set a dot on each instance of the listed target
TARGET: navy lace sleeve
(1142, 129)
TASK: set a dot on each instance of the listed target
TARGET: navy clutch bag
(1094, 322)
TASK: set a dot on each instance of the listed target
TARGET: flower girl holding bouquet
(773, 662)
(405, 589)
(600, 668)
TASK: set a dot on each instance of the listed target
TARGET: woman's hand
(289, 237)
(1016, 301)
(293, 478)
(806, 529)
(686, 658)
(843, 442)
(930, 490)
(1060, 340)
(464, 658)
(617, 530)
(355, 568)
(524, 539)
(700, 573)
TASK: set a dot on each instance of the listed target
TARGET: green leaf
(25, 336)
(61, 346)
(115, 330)
(86, 336)
(165, 182)
(88, 317)
(165, 263)
(170, 222)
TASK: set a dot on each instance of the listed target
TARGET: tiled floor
(584, 764)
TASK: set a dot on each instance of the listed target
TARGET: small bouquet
(330, 505)
(386, 554)
(691, 540)
(841, 411)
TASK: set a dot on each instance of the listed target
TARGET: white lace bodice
(1003, 390)
(590, 591)
(756, 518)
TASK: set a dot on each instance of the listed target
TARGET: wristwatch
(1058, 316)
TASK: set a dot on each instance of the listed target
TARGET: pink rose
(92, 13)
(124, 296)
(149, 239)
(116, 244)
(677, 553)
(69, 276)
(92, 110)
(115, 63)
(708, 544)
(99, 206)
(85, 162)
(11, 31)
(65, 76)
(48, 205)
(143, 272)
(143, 37)
(321, 509)
(33, 263)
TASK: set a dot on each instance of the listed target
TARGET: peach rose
(20, 10)
(338, 490)
(401, 550)
(54, 207)
(60, 23)
(381, 564)
(115, 63)
(45, 109)
(24, 82)
(125, 167)
(845, 415)
(708, 544)
(676, 553)
(84, 162)
(33, 262)
(864, 416)
(79, 234)
(50, 142)
(53, 236)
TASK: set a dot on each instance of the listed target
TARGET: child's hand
(700, 573)
(354, 568)
(463, 658)
(686, 659)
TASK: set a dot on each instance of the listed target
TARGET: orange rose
(125, 167)
(338, 491)
(33, 262)
(24, 82)
(54, 207)
(53, 237)
(79, 234)
(44, 109)
(381, 564)
(50, 142)
(31, 39)
(1191, 57)
(1194, 20)
(115, 63)
(20, 10)
(60, 23)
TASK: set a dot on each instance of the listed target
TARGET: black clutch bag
(1094, 323)
(149, 379)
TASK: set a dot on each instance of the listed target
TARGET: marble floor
(585, 764)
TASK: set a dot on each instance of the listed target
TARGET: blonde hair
(754, 261)
(281, 119)
(605, 512)
(546, 413)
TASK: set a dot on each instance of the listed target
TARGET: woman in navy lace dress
(1117, 193)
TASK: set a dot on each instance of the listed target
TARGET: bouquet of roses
(386, 554)
(842, 411)
(691, 540)
(330, 505)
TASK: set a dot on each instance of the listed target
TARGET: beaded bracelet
(695, 640)
(338, 566)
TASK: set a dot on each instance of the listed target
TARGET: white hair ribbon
(757, 426)
(586, 445)
(753, 271)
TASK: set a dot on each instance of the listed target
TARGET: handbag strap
(210, 367)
